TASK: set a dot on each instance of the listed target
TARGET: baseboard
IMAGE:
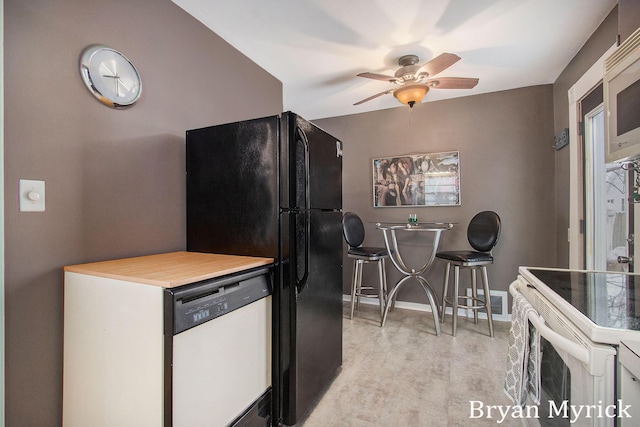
(416, 306)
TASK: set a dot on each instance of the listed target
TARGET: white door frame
(581, 88)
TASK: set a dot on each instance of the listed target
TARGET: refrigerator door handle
(301, 282)
(302, 138)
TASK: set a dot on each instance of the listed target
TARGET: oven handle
(575, 350)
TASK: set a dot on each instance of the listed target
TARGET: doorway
(579, 91)
(606, 207)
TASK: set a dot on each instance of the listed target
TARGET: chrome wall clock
(110, 76)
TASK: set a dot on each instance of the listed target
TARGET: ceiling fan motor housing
(405, 60)
(409, 67)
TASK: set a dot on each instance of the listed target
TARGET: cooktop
(608, 299)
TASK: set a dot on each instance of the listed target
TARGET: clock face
(110, 76)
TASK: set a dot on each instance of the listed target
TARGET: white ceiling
(316, 47)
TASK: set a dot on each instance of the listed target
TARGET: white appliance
(622, 100)
(582, 317)
(220, 347)
(138, 354)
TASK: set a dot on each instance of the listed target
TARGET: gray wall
(628, 17)
(114, 179)
(506, 164)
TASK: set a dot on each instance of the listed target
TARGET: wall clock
(110, 76)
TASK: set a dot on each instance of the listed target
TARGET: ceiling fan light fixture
(411, 94)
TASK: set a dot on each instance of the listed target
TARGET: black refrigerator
(272, 187)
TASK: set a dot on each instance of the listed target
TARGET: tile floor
(404, 375)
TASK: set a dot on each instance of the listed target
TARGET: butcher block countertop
(170, 269)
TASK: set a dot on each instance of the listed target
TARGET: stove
(581, 317)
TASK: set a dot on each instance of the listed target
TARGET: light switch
(31, 195)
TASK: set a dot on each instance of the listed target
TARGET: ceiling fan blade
(375, 76)
(439, 64)
(452, 83)
(374, 96)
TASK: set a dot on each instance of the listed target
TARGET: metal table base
(391, 242)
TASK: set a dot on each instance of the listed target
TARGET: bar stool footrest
(481, 303)
(359, 292)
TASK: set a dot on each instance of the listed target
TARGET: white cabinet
(113, 353)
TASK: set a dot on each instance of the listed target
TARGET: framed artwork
(431, 179)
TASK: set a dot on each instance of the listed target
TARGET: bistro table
(391, 242)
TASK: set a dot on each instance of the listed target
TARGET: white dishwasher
(178, 339)
(221, 351)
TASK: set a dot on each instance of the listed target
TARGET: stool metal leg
(384, 276)
(454, 297)
(386, 290)
(357, 266)
(487, 299)
(382, 287)
(474, 294)
(359, 287)
(444, 291)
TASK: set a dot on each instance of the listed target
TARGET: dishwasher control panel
(201, 302)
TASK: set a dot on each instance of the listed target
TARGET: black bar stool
(353, 230)
(483, 233)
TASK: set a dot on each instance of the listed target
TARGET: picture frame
(413, 180)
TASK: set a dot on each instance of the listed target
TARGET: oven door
(577, 376)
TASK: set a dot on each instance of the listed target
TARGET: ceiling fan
(415, 80)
